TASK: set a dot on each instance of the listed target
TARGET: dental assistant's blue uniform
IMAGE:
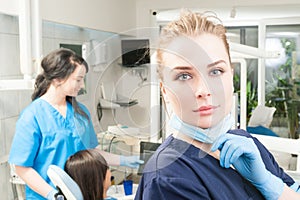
(43, 137)
(179, 170)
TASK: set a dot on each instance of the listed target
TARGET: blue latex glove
(242, 153)
(51, 194)
(295, 187)
(130, 161)
(110, 198)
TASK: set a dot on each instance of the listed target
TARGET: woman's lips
(205, 110)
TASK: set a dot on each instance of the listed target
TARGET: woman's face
(75, 82)
(198, 79)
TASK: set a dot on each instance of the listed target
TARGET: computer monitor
(135, 52)
(147, 149)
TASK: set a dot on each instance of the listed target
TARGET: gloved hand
(242, 153)
(51, 194)
(130, 161)
(55, 195)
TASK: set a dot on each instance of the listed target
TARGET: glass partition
(247, 36)
(283, 78)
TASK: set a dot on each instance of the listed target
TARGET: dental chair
(64, 183)
(18, 185)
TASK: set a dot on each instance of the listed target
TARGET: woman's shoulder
(32, 111)
(33, 107)
(244, 133)
(240, 132)
(171, 153)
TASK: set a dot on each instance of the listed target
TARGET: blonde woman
(203, 158)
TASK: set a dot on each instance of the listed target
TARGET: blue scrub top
(44, 137)
(179, 170)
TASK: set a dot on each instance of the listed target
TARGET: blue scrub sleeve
(26, 141)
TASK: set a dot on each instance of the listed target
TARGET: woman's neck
(54, 96)
(56, 100)
(200, 145)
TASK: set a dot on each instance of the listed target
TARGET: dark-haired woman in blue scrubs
(55, 126)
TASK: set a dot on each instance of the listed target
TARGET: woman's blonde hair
(189, 24)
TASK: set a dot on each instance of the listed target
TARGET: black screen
(147, 149)
(135, 52)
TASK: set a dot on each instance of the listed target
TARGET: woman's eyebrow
(216, 63)
(182, 68)
(191, 68)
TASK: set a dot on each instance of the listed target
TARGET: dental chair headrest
(262, 116)
(64, 182)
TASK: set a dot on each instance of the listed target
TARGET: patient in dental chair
(90, 171)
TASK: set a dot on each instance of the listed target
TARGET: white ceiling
(250, 13)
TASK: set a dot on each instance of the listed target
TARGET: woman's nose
(82, 85)
(202, 91)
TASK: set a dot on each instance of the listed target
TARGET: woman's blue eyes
(184, 76)
(216, 72)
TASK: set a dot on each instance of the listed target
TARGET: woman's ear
(162, 88)
(164, 92)
(56, 82)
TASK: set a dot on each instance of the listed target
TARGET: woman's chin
(204, 126)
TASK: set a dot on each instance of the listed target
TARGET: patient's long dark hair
(58, 64)
(88, 169)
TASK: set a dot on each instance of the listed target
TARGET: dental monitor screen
(135, 52)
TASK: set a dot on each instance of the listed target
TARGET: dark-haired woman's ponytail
(40, 87)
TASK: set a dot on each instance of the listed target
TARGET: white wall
(9, 50)
(11, 104)
(106, 15)
(10, 7)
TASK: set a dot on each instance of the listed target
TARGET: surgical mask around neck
(209, 135)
